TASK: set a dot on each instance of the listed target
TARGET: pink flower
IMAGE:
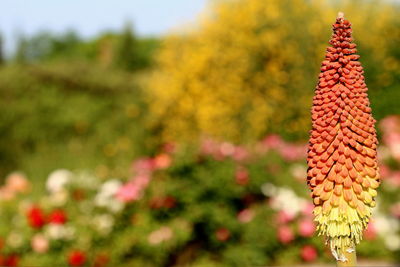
(285, 234)
(384, 170)
(272, 141)
(308, 209)
(245, 216)
(392, 140)
(370, 232)
(6, 194)
(208, 147)
(162, 161)
(17, 182)
(291, 152)
(133, 190)
(284, 217)
(142, 181)
(240, 154)
(128, 192)
(390, 124)
(308, 253)
(227, 149)
(394, 179)
(143, 166)
(241, 176)
(40, 243)
(306, 227)
(395, 210)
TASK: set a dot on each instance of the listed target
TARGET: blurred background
(172, 133)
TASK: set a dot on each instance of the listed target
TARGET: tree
(1, 51)
(21, 54)
(125, 53)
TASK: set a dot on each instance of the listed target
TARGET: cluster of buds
(343, 170)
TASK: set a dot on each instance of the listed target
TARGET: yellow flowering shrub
(248, 66)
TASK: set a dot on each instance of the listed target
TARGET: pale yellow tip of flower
(343, 229)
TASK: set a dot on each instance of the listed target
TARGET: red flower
(167, 202)
(36, 217)
(308, 253)
(58, 217)
(10, 260)
(76, 258)
(241, 176)
(101, 260)
(223, 234)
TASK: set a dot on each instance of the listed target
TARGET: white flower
(69, 232)
(59, 198)
(110, 187)
(105, 196)
(115, 205)
(268, 189)
(15, 240)
(392, 242)
(284, 199)
(387, 228)
(385, 225)
(299, 171)
(58, 179)
(58, 231)
(104, 223)
(85, 179)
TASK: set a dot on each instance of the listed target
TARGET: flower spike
(342, 161)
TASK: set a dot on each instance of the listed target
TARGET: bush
(249, 67)
(69, 115)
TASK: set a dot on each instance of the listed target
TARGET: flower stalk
(342, 160)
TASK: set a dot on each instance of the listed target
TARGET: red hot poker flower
(343, 170)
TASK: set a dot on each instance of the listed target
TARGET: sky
(90, 17)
